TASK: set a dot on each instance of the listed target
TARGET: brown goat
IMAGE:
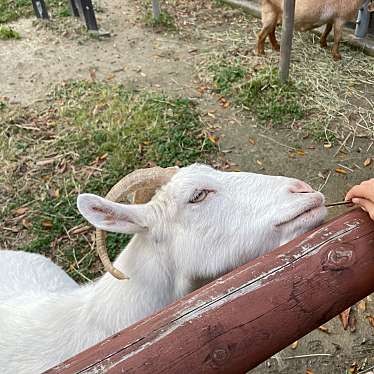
(309, 14)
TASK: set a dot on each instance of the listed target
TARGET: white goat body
(198, 226)
(309, 14)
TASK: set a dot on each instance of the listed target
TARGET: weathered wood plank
(244, 317)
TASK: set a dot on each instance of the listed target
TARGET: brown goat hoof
(259, 52)
(337, 56)
(324, 44)
(276, 47)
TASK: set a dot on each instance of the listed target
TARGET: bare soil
(169, 61)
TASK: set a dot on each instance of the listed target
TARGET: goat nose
(300, 187)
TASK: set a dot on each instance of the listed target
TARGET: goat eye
(199, 196)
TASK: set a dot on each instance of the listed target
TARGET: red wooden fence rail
(236, 322)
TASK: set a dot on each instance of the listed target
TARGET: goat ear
(109, 216)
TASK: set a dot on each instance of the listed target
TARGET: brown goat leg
(273, 40)
(325, 35)
(260, 46)
(267, 30)
(338, 26)
(269, 18)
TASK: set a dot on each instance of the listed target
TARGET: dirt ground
(169, 61)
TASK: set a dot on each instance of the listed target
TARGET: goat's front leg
(338, 26)
(325, 35)
(269, 19)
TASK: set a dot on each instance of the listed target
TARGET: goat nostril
(301, 187)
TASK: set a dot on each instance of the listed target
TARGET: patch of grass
(91, 135)
(64, 12)
(320, 133)
(2, 105)
(259, 91)
(271, 100)
(11, 10)
(226, 75)
(165, 21)
(7, 33)
(218, 3)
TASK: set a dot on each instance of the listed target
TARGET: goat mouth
(308, 213)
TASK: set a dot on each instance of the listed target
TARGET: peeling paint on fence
(287, 293)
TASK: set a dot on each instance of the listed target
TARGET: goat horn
(149, 179)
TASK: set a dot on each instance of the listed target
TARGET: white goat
(309, 14)
(199, 225)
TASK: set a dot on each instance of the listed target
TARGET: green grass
(90, 136)
(164, 21)
(219, 3)
(226, 75)
(11, 10)
(7, 33)
(271, 100)
(320, 133)
(259, 92)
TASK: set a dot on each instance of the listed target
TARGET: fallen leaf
(93, 74)
(211, 115)
(110, 76)
(353, 368)
(361, 306)
(258, 162)
(309, 371)
(344, 317)
(213, 139)
(54, 193)
(26, 223)
(371, 320)
(367, 162)
(252, 141)
(47, 224)
(324, 329)
(295, 344)
(327, 145)
(341, 171)
(300, 152)
(20, 211)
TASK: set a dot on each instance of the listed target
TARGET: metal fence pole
(156, 8)
(286, 41)
(40, 9)
(362, 24)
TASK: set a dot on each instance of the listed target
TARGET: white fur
(45, 317)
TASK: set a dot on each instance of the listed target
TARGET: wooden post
(241, 319)
(156, 8)
(286, 41)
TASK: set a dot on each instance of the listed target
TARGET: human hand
(363, 195)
